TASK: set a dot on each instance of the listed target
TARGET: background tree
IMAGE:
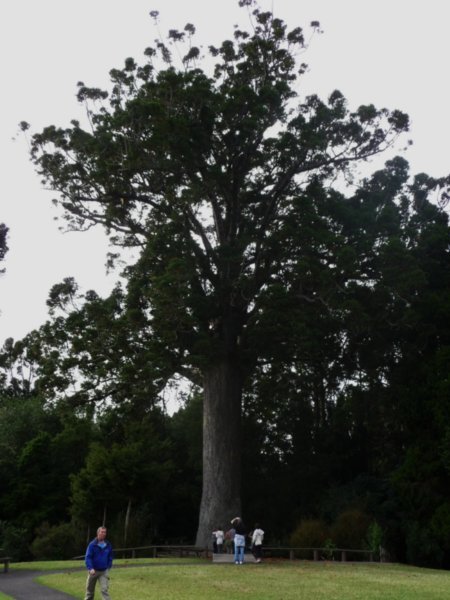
(128, 467)
(3, 237)
(203, 173)
(40, 447)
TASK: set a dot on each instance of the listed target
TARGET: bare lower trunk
(221, 500)
(127, 523)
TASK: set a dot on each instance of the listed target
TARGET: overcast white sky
(393, 53)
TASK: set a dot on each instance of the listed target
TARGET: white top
(257, 537)
(219, 536)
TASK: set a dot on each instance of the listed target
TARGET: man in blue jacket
(99, 557)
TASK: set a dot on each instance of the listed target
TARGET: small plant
(329, 548)
(374, 539)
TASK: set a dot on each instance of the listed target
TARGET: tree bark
(221, 495)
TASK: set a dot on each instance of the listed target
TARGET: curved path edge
(21, 585)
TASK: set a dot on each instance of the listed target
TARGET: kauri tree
(203, 172)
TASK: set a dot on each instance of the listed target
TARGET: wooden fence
(158, 551)
(318, 553)
(289, 552)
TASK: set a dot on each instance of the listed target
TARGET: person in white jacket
(257, 540)
(219, 535)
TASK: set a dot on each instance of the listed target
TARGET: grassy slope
(278, 581)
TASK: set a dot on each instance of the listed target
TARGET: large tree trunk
(221, 496)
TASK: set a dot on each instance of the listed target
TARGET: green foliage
(185, 427)
(57, 542)
(440, 524)
(15, 541)
(422, 547)
(310, 533)
(142, 527)
(187, 166)
(329, 548)
(132, 464)
(350, 528)
(375, 538)
(40, 447)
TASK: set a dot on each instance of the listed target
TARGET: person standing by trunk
(98, 559)
(219, 539)
(257, 540)
(239, 540)
(229, 541)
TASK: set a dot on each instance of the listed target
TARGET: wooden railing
(159, 550)
(317, 553)
(182, 551)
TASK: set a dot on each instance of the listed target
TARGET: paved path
(229, 558)
(20, 586)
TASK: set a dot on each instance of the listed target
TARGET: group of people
(235, 540)
(99, 553)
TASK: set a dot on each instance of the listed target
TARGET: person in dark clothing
(239, 540)
(98, 559)
(229, 541)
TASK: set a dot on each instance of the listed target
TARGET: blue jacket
(99, 558)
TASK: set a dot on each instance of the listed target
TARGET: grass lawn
(5, 597)
(269, 581)
(55, 565)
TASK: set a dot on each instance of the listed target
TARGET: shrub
(440, 525)
(14, 541)
(422, 548)
(56, 542)
(350, 529)
(309, 533)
